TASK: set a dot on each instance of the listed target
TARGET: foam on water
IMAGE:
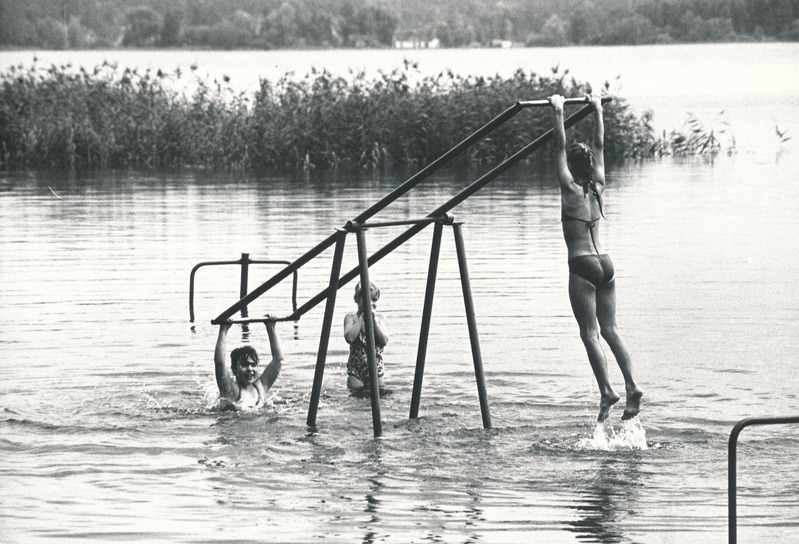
(631, 436)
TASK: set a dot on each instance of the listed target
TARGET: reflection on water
(373, 509)
(609, 496)
(106, 390)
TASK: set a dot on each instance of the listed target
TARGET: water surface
(109, 423)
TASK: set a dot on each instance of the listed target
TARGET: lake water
(109, 427)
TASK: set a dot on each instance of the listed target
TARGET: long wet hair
(581, 161)
(241, 353)
(582, 164)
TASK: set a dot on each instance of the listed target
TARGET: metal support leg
(245, 273)
(472, 323)
(368, 317)
(421, 355)
(327, 323)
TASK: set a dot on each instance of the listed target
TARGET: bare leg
(582, 295)
(357, 386)
(606, 315)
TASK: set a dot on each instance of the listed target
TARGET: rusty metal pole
(191, 291)
(368, 317)
(327, 323)
(472, 324)
(568, 102)
(245, 274)
(427, 312)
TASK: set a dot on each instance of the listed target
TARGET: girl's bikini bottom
(598, 269)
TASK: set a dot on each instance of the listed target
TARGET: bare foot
(633, 404)
(605, 404)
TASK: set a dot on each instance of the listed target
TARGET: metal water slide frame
(404, 188)
(358, 225)
(363, 268)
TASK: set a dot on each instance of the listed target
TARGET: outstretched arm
(272, 370)
(227, 387)
(598, 143)
(559, 140)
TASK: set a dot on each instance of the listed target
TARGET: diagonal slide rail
(404, 188)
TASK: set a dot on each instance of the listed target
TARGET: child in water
(355, 335)
(247, 386)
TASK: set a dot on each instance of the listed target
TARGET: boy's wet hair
(581, 160)
(374, 292)
(242, 353)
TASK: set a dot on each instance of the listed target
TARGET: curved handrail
(244, 262)
(731, 473)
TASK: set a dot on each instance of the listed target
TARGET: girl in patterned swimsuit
(592, 286)
(355, 335)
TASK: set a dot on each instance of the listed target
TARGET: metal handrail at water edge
(244, 262)
(732, 464)
(403, 188)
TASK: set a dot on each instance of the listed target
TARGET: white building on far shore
(417, 44)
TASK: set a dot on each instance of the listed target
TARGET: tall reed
(144, 120)
(697, 139)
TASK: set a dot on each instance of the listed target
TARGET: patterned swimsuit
(358, 364)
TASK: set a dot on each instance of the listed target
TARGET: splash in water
(631, 436)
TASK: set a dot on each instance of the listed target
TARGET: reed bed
(698, 139)
(113, 118)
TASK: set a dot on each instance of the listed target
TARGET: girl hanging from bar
(592, 285)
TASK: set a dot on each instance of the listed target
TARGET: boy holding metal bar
(246, 386)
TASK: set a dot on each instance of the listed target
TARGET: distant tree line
(458, 23)
(216, 24)
(277, 24)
